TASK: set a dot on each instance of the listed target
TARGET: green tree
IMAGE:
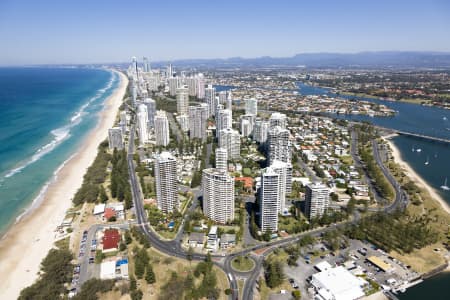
(150, 275)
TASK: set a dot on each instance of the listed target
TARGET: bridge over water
(417, 135)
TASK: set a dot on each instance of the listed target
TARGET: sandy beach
(415, 177)
(28, 241)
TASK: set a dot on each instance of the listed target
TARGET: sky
(100, 31)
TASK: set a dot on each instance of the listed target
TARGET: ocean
(46, 114)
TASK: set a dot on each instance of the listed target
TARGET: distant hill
(382, 59)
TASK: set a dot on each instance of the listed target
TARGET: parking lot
(354, 258)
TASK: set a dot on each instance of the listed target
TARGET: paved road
(174, 127)
(85, 272)
(173, 247)
(354, 153)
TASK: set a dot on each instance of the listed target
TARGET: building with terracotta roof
(109, 213)
(111, 239)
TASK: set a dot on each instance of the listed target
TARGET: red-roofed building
(111, 239)
(109, 213)
(248, 182)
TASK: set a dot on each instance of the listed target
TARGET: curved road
(174, 248)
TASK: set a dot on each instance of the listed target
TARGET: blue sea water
(45, 114)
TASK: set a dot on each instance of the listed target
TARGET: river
(425, 120)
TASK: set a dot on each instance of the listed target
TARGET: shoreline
(28, 240)
(416, 177)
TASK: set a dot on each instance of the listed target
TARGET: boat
(419, 150)
(444, 118)
(445, 187)
(428, 161)
(412, 149)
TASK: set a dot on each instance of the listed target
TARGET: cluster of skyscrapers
(272, 135)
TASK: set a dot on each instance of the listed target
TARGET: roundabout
(242, 264)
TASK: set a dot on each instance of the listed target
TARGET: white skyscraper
(223, 97)
(123, 122)
(222, 159)
(229, 101)
(269, 200)
(218, 195)
(278, 119)
(210, 99)
(115, 138)
(146, 64)
(182, 100)
(162, 134)
(281, 168)
(183, 120)
(169, 71)
(317, 199)
(279, 145)
(223, 120)
(251, 107)
(200, 86)
(260, 131)
(151, 111)
(173, 83)
(166, 182)
(198, 116)
(230, 140)
(246, 122)
(142, 123)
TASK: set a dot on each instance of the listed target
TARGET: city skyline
(104, 32)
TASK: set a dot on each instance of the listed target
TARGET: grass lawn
(242, 263)
(422, 260)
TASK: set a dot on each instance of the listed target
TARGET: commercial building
(230, 140)
(198, 116)
(142, 123)
(221, 159)
(166, 182)
(115, 138)
(251, 107)
(182, 100)
(317, 199)
(269, 200)
(218, 195)
(338, 284)
(162, 134)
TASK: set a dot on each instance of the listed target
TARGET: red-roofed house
(109, 213)
(248, 182)
(111, 239)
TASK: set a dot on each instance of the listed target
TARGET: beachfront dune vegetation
(56, 270)
(95, 175)
(92, 189)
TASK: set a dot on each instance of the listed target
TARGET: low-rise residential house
(196, 240)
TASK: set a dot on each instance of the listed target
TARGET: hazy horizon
(87, 32)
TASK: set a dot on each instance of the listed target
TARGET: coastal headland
(28, 241)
